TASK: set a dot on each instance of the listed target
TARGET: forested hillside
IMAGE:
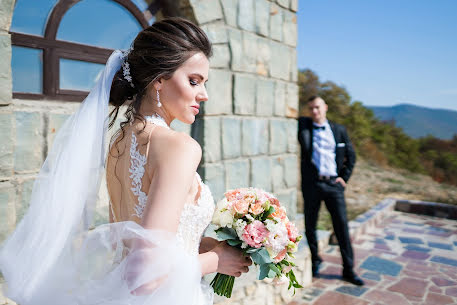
(381, 142)
(420, 122)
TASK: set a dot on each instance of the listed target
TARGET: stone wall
(248, 130)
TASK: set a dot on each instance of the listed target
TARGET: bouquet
(254, 221)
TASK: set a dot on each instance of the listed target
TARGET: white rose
(226, 219)
(216, 218)
(222, 204)
(222, 216)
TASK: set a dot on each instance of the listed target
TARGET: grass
(392, 180)
(413, 177)
(398, 189)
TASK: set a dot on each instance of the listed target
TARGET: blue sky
(384, 52)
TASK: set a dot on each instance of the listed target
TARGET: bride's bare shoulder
(169, 145)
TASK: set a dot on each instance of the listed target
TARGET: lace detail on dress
(195, 217)
(137, 162)
(157, 120)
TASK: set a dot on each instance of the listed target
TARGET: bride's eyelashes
(193, 82)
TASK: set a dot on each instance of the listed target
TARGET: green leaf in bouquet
(293, 280)
(264, 270)
(271, 274)
(252, 250)
(270, 211)
(233, 242)
(275, 269)
(226, 233)
(261, 257)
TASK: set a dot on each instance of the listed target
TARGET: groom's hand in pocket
(340, 181)
(232, 261)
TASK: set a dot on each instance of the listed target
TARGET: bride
(152, 251)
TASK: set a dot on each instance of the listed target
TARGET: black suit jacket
(344, 154)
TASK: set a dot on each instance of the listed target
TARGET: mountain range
(419, 121)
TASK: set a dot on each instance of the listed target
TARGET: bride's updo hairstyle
(158, 51)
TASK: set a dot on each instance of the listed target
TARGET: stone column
(248, 127)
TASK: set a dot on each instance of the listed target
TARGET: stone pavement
(404, 259)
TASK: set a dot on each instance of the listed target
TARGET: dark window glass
(27, 69)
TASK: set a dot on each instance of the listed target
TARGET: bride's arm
(174, 158)
(175, 161)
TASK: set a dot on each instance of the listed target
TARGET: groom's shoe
(352, 278)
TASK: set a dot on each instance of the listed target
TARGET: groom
(327, 160)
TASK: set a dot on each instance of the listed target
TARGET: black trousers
(332, 193)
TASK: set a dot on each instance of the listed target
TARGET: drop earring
(159, 104)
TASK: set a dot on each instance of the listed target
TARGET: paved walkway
(406, 259)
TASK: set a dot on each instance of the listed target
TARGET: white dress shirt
(324, 150)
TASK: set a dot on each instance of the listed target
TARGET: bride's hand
(232, 261)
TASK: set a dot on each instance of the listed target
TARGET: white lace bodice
(195, 217)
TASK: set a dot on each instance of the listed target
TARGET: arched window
(61, 46)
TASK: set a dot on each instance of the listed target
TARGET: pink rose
(255, 233)
(280, 256)
(292, 231)
(241, 206)
(256, 208)
(274, 201)
(232, 195)
(249, 198)
(262, 197)
(279, 212)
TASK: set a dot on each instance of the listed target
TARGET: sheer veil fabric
(52, 258)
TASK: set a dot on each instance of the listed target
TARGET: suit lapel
(334, 131)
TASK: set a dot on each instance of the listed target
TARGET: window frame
(53, 50)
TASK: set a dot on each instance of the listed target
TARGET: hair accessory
(126, 66)
(159, 104)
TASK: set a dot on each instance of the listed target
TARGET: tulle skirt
(115, 264)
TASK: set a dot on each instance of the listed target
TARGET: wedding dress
(195, 216)
(55, 258)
